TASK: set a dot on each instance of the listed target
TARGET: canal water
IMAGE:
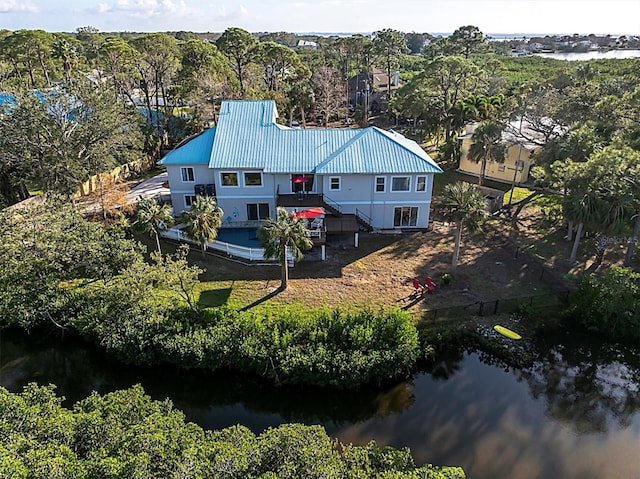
(592, 55)
(575, 413)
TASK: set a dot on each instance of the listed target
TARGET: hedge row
(325, 347)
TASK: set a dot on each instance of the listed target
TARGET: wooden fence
(120, 172)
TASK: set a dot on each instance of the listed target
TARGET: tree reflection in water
(585, 384)
(78, 369)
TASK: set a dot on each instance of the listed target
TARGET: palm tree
(487, 145)
(66, 52)
(152, 218)
(284, 233)
(600, 196)
(463, 204)
(202, 221)
(462, 112)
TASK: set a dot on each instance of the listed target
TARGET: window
(405, 216)
(421, 184)
(187, 174)
(229, 179)
(257, 211)
(189, 200)
(380, 184)
(400, 183)
(253, 179)
(334, 183)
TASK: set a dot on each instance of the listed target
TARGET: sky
(613, 17)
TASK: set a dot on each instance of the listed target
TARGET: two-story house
(521, 143)
(251, 164)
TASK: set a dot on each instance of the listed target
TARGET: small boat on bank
(507, 332)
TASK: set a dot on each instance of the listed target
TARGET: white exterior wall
(203, 175)
(359, 192)
(234, 199)
(356, 192)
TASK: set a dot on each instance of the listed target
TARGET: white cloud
(12, 6)
(221, 14)
(146, 8)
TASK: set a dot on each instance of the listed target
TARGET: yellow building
(518, 160)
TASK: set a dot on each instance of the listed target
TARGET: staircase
(331, 206)
(363, 220)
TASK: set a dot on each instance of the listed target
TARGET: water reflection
(572, 414)
(586, 385)
(214, 400)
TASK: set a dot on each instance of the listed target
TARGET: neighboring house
(378, 83)
(518, 160)
(368, 177)
(307, 44)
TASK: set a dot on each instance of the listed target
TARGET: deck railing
(332, 204)
(252, 254)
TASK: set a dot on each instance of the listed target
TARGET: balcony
(300, 199)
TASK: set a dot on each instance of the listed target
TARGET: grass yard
(378, 274)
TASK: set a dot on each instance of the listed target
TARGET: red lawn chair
(429, 285)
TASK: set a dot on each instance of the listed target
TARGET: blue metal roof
(195, 151)
(7, 102)
(248, 137)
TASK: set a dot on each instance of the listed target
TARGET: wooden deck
(343, 224)
(308, 200)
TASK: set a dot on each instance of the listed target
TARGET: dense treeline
(178, 81)
(125, 434)
(327, 348)
(62, 271)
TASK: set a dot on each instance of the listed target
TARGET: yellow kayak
(507, 332)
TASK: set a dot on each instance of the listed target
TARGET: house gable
(194, 151)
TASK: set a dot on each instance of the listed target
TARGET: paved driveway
(151, 188)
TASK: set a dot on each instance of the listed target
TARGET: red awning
(310, 213)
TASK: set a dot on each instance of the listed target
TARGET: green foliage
(202, 221)
(327, 348)
(63, 136)
(463, 204)
(487, 145)
(48, 249)
(60, 269)
(609, 304)
(153, 218)
(601, 192)
(239, 46)
(126, 434)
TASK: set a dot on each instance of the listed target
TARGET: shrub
(609, 304)
(335, 348)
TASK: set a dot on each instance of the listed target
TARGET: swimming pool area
(247, 237)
